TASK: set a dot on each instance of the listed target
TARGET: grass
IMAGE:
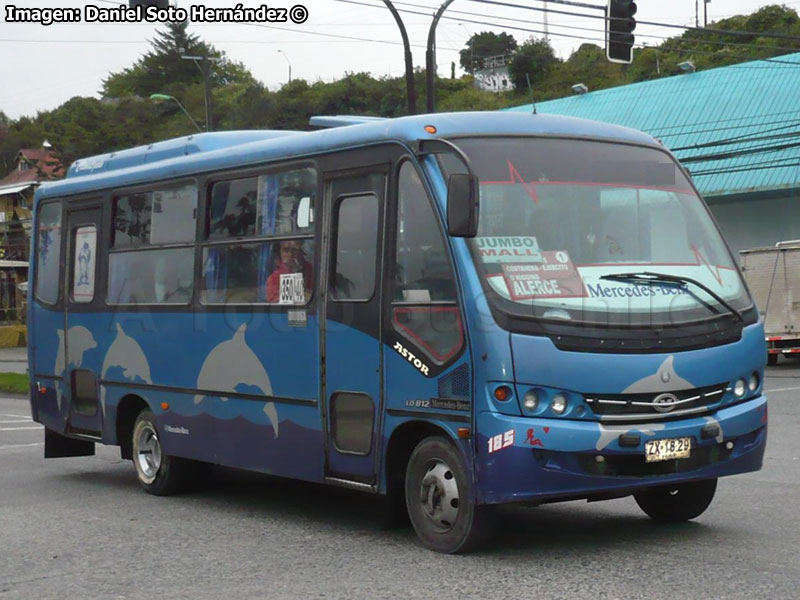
(15, 383)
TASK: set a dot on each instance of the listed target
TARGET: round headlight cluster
(540, 402)
(558, 404)
(531, 401)
(752, 383)
(742, 387)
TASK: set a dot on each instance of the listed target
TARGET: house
(32, 166)
(493, 74)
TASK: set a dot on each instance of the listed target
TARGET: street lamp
(168, 97)
(288, 63)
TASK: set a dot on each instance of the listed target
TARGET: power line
(449, 16)
(742, 139)
(727, 171)
(716, 121)
(338, 36)
(730, 127)
(445, 16)
(737, 153)
(317, 33)
(773, 163)
(60, 41)
(591, 29)
(652, 23)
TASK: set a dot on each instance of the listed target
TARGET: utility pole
(204, 64)
(705, 12)
(697, 13)
(546, 29)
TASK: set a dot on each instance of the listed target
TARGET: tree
(162, 69)
(535, 58)
(484, 45)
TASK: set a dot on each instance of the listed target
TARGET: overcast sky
(42, 67)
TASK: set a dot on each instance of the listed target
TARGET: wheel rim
(147, 450)
(438, 495)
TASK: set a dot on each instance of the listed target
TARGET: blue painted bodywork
(239, 430)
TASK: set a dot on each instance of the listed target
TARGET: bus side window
(278, 206)
(48, 252)
(139, 270)
(424, 301)
(356, 248)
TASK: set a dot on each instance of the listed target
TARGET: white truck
(773, 276)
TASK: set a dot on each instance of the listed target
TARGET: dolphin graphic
(79, 341)
(233, 363)
(665, 379)
(125, 352)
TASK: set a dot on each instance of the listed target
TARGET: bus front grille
(661, 405)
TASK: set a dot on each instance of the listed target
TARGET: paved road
(82, 528)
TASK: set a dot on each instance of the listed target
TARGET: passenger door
(82, 293)
(352, 373)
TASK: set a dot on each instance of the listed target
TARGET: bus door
(82, 293)
(352, 372)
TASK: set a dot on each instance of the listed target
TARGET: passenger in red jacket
(292, 260)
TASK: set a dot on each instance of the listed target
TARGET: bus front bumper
(547, 458)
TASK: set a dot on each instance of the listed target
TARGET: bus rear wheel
(677, 503)
(439, 498)
(158, 473)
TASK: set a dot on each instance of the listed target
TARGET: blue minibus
(456, 311)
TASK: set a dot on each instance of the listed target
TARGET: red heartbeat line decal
(701, 260)
(515, 178)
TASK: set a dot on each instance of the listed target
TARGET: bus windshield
(562, 219)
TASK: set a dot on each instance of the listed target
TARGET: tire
(677, 503)
(158, 473)
(439, 497)
(772, 359)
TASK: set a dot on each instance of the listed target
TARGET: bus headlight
(740, 388)
(531, 401)
(558, 404)
(753, 383)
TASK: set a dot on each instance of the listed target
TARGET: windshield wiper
(650, 278)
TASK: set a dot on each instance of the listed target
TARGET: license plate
(656, 450)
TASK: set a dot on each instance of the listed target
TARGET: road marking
(17, 421)
(37, 428)
(21, 446)
(789, 389)
(15, 416)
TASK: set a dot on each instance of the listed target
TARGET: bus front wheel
(676, 503)
(439, 498)
(158, 473)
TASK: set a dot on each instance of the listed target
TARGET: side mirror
(462, 205)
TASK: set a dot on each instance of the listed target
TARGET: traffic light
(146, 3)
(619, 30)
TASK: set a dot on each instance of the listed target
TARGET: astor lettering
(404, 352)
